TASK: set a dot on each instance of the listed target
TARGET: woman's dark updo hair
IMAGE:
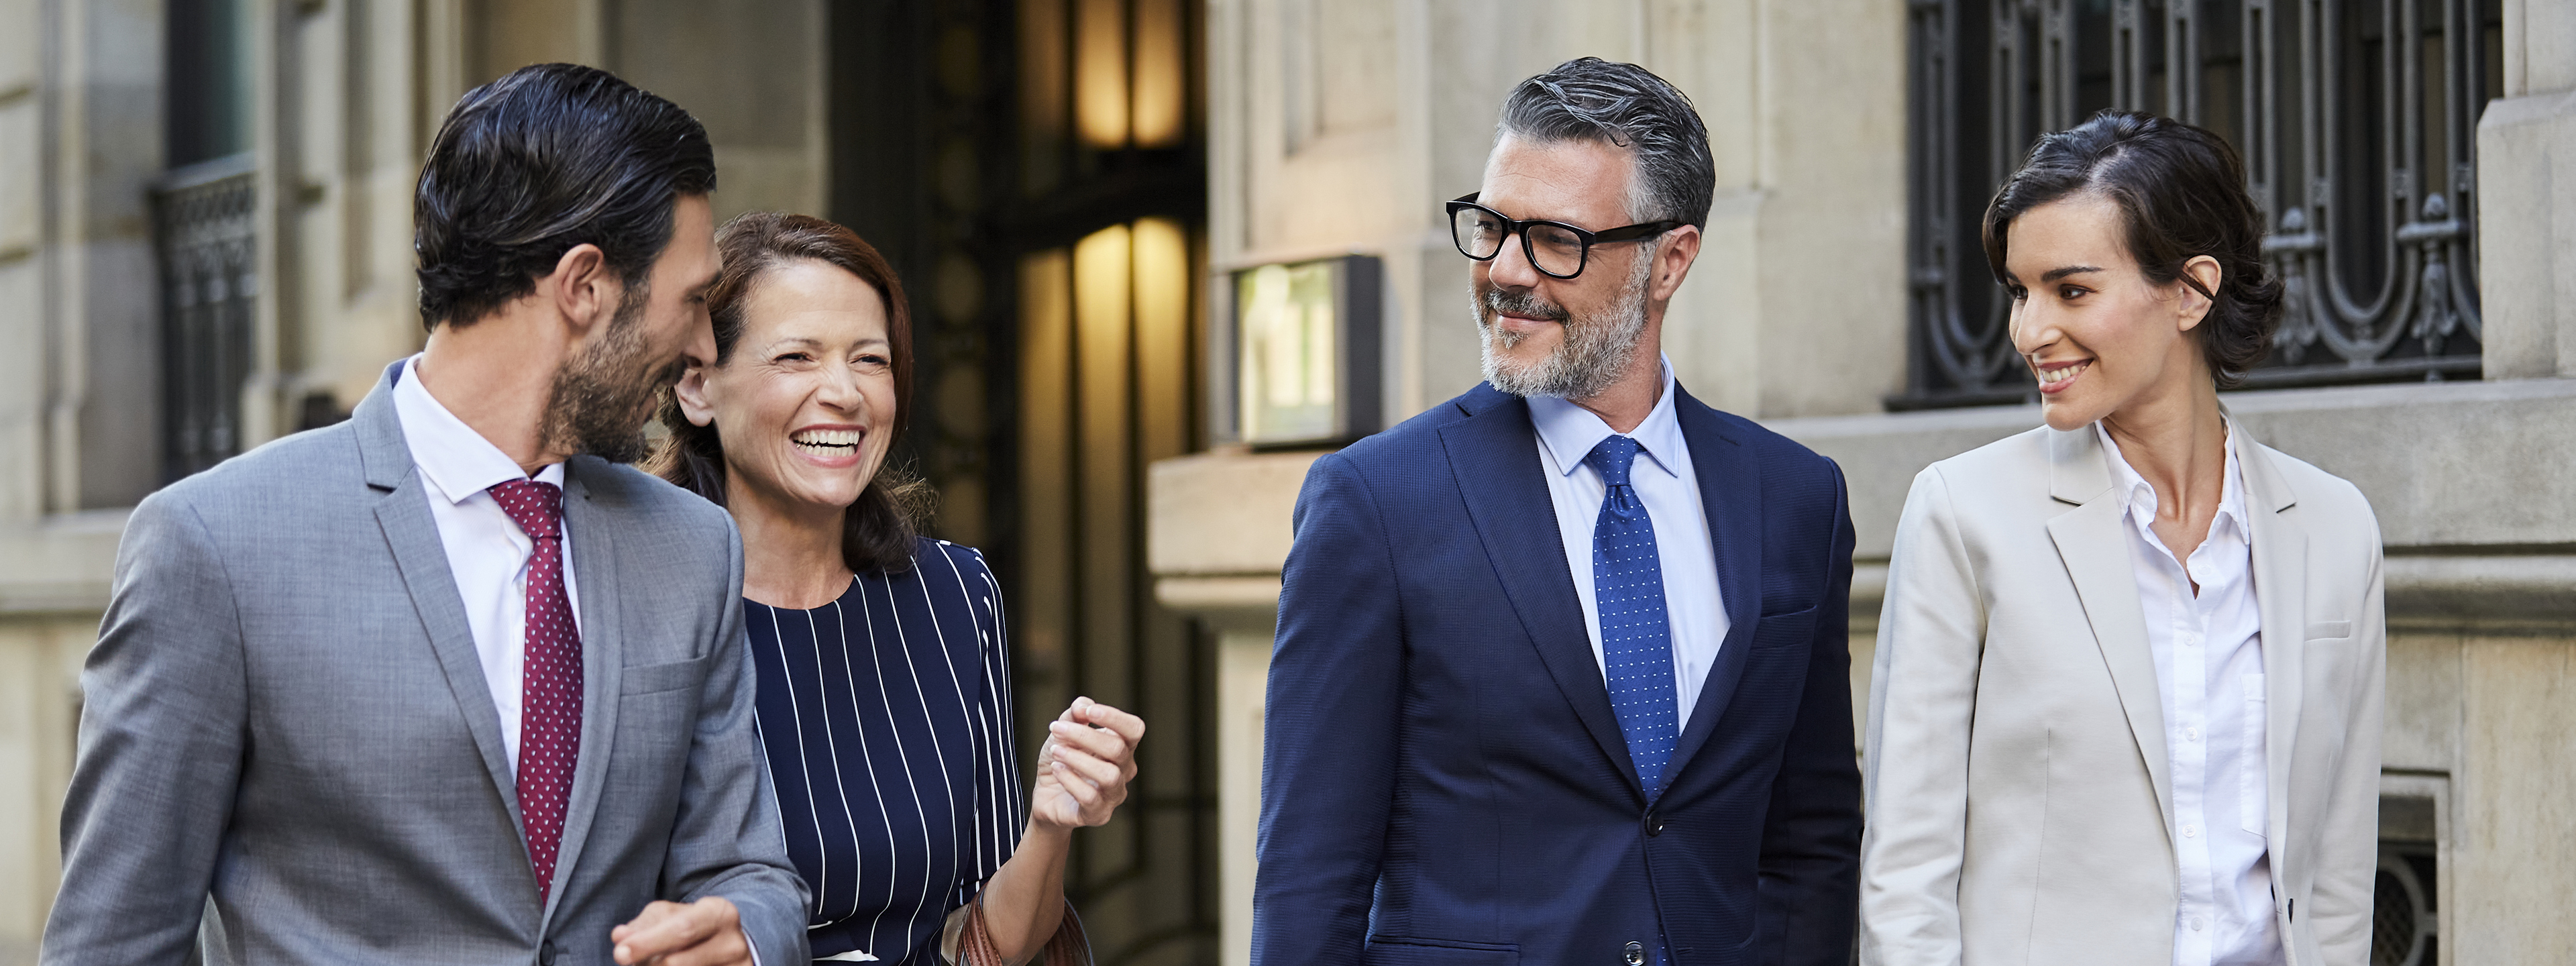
(878, 533)
(2181, 191)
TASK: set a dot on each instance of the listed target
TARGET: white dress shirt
(486, 551)
(1665, 483)
(2208, 651)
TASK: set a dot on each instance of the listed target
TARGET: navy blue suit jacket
(1443, 779)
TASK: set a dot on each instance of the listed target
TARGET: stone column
(1217, 532)
(2527, 197)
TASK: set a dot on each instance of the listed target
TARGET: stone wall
(1342, 125)
(345, 97)
(1794, 315)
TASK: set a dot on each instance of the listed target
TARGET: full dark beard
(601, 398)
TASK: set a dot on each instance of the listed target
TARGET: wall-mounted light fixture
(1302, 353)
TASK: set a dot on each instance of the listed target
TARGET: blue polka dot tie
(550, 695)
(1636, 636)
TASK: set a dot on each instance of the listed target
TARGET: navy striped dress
(887, 717)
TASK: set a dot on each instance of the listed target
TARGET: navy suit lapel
(1730, 492)
(1494, 453)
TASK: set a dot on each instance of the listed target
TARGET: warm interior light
(1160, 68)
(1164, 359)
(1162, 255)
(1102, 295)
(1105, 445)
(1045, 600)
(1100, 72)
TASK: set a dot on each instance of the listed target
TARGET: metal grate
(204, 216)
(2357, 120)
(2403, 927)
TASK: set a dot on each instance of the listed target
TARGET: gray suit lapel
(2093, 543)
(594, 569)
(2280, 591)
(412, 534)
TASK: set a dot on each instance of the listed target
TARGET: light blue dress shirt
(1665, 482)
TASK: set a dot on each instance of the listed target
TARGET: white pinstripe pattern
(824, 877)
(858, 723)
(955, 687)
(826, 727)
(911, 779)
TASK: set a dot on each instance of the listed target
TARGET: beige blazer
(2020, 809)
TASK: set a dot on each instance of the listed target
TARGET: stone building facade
(1340, 126)
(204, 220)
(205, 243)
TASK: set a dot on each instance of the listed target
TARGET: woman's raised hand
(1084, 768)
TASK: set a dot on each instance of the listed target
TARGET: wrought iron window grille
(2361, 152)
(205, 222)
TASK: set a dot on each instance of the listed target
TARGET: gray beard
(1595, 352)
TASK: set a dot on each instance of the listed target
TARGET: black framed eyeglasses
(1556, 249)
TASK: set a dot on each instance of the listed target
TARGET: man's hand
(1084, 768)
(707, 932)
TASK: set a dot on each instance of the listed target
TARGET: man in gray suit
(444, 683)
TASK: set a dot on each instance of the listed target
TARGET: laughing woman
(2126, 706)
(885, 688)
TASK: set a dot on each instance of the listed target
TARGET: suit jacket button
(546, 954)
(1635, 953)
(1654, 825)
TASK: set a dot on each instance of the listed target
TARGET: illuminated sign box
(1302, 353)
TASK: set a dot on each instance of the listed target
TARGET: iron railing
(2357, 120)
(205, 226)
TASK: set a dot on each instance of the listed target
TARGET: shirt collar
(2141, 495)
(457, 461)
(1570, 432)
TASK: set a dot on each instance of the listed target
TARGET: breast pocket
(644, 679)
(1406, 950)
(1785, 630)
(2329, 630)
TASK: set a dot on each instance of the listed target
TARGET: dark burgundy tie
(550, 695)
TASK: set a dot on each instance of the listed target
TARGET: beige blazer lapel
(2280, 592)
(2093, 543)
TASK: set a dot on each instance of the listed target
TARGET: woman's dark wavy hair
(877, 535)
(546, 158)
(2181, 191)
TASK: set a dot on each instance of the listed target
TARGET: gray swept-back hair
(1625, 106)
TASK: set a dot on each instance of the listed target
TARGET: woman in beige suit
(2127, 700)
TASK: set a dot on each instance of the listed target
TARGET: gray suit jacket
(286, 716)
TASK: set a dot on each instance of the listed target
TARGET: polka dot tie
(1636, 636)
(550, 699)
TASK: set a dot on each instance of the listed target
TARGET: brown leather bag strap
(1068, 947)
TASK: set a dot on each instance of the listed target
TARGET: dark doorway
(1036, 171)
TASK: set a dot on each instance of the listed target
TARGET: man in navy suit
(1562, 669)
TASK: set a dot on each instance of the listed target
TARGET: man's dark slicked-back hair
(546, 158)
(2181, 194)
(1625, 106)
